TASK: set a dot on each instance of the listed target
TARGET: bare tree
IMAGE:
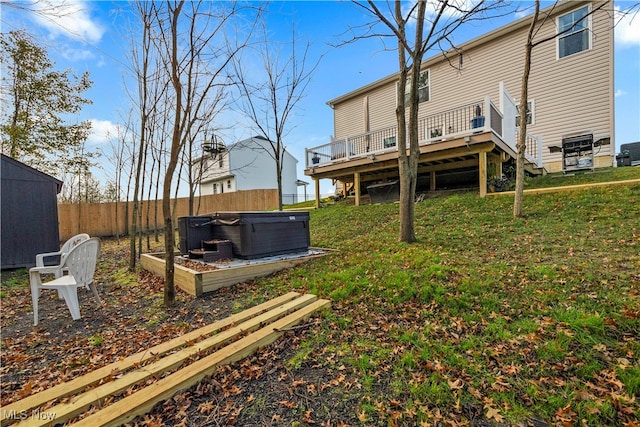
(141, 58)
(194, 42)
(269, 104)
(537, 23)
(120, 155)
(416, 31)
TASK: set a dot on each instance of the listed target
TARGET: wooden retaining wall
(105, 219)
(197, 283)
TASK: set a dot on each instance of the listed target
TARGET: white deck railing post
(539, 142)
(346, 148)
(487, 114)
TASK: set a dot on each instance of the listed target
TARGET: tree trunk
(169, 235)
(279, 162)
(521, 144)
(135, 207)
(169, 241)
(408, 164)
(137, 191)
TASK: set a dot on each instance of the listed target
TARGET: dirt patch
(131, 319)
(260, 390)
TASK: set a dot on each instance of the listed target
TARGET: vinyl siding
(572, 95)
(349, 118)
(248, 165)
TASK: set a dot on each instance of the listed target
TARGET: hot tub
(193, 230)
(261, 234)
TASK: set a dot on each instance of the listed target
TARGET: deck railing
(533, 149)
(475, 117)
(434, 128)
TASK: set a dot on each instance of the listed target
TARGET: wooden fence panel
(107, 219)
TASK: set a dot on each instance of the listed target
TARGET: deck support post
(482, 172)
(496, 161)
(432, 181)
(356, 187)
(317, 186)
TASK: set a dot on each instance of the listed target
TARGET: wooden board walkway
(216, 344)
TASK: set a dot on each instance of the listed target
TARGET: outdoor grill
(577, 152)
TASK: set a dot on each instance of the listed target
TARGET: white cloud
(627, 30)
(69, 18)
(74, 55)
(452, 10)
(102, 131)
(620, 92)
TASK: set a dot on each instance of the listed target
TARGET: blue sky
(94, 38)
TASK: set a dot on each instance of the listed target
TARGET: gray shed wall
(29, 214)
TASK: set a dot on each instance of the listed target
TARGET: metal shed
(28, 213)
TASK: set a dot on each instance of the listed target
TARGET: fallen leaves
(206, 407)
(487, 321)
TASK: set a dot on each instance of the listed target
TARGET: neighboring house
(468, 108)
(246, 165)
(29, 213)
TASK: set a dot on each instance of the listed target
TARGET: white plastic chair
(56, 270)
(81, 264)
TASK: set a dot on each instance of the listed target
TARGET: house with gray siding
(246, 165)
(468, 108)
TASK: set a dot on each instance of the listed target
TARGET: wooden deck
(482, 151)
(216, 344)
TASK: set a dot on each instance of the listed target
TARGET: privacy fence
(108, 219)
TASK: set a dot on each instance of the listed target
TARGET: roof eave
(484, 38)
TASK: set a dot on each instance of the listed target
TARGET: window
(215, 188)
(221, 162)
(423, 88)
(530, 114)
(389, 141)
(574, 30)
(229, 184)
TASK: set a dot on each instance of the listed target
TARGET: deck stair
(533, 169)
(179, 364)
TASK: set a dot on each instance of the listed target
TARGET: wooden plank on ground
(78, 404)
(37, 400)
(568, 187)
(143, 401)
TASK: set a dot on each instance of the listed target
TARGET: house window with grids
(423, 88)
(530, 113)
(574, 29)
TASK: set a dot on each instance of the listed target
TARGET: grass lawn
(487, 320)
(486, 316)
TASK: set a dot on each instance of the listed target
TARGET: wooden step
(130, 372)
